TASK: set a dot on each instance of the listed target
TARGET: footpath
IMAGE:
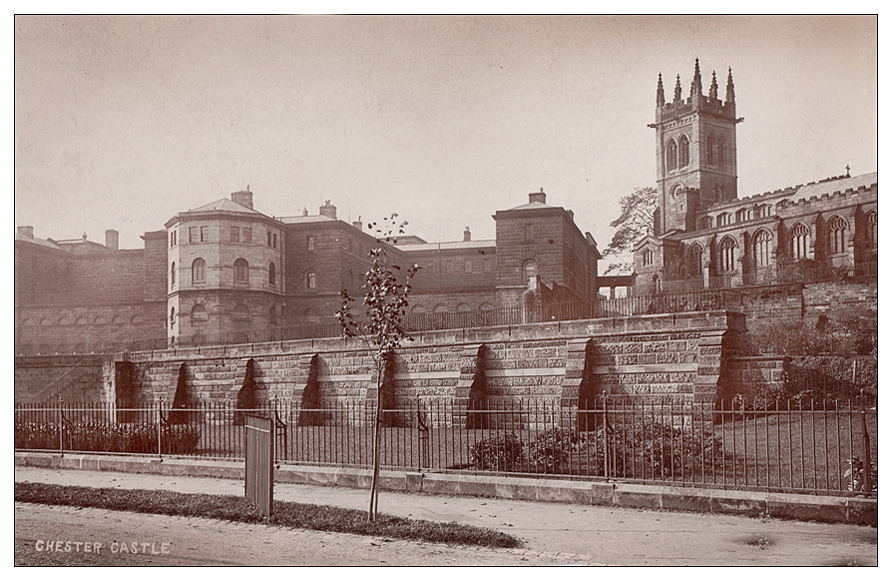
(562, 532)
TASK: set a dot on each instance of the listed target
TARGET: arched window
(711, 150)
(529, 271)
(727, 255)
(240, 268)
(173, 274)
(684, 151)
(272, 275)
(311, 280)
(463, 307)
(198, 271)
(199, 313)
(799, 241)
(837, 228)
(173, 317)
(721, 152)
(871, 229)
(761, 244)
(696, 259)
(417, 310)
(672, 155)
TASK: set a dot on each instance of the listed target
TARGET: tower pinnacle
(660, 91)
(714, 88)
(730, 88)
(696, 88)
(677, 93)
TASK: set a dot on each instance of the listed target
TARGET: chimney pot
(538, 197)
(111, 239)
(466, 236)
(27, 231)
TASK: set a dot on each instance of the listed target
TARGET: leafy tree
(636, 220)
(387, 288)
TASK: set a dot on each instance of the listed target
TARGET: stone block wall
(756, 375)
(74, 378)
(672, 356)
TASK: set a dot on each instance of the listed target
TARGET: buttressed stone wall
(676, 356)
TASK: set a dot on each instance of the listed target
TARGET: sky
(121, 122)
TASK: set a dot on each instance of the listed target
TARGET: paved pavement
(556, 533)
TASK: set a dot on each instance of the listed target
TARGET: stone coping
(822, 508)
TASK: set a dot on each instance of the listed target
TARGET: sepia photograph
(446, 290)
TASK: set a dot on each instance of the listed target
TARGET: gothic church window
(721, 153)
(761, 249)
(871, 229)
(711, 150)
(837, 228)
(696, 259)
(241, 271)
(198, 271)
(684, 151)
(727, 255)
(672, 155)
(799, 241)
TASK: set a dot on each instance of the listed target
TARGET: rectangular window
(246, 234)
(275, 240)
(204, 234)
(193, 234)
(173, 238)
(272, 241)
(234, 234)
(311, 243)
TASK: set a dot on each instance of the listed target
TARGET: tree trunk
(376, 437)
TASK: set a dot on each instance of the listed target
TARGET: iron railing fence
(783, 446)
(508, 316)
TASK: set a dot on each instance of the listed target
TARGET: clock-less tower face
(696, 151)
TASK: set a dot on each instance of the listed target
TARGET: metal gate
(259, 461)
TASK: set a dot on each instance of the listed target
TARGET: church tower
(696, 151)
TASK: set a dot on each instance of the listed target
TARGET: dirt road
(553, 533)
(206, 542)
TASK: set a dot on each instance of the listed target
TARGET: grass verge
(285, 514)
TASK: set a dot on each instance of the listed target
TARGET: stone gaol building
(227, 268)
(705, 237)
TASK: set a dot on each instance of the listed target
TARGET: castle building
(225, 269)
(705, 237)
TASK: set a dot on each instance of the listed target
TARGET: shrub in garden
(108, 438)
(660, 450)
(503, 452)
(551, 451)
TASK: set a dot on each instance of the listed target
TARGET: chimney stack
(358, 223)
(538, 197)
(26, 231)
(328, 209)
(243, 197)
(111, 239)
(466, 236)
